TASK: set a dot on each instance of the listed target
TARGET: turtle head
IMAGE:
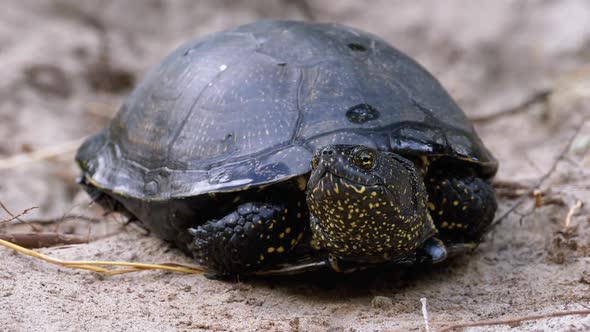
(367, 205)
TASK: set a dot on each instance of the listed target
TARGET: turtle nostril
(327, 151)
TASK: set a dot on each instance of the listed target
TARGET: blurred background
(520, 69)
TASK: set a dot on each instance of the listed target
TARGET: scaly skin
(367, 206)
(255, 235)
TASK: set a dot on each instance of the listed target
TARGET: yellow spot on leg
(301, 183)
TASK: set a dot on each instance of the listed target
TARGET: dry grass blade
(41, 154)
(96, 266)
(515, 321)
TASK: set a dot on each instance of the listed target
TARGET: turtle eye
(365, 159)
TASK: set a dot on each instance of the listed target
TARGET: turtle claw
(435, 250)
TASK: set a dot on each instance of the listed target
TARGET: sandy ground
(67, 65)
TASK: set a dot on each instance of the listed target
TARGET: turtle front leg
(461, 205)
(252, 237)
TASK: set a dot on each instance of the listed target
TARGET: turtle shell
(249, 106)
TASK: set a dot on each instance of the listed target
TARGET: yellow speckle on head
(285, 211)
(261, 257)
(455, 203)
(298, 215)
(444, 224)
(464, 207)
(374, 193)
(270, 250)
(440, 213)
(282, 235)
(280, 249)
(431, 206)
(287, 230)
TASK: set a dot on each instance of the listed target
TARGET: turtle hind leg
(462, 205)
(253, 236)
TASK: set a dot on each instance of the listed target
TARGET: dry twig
(13, 217)
(515, 321)
(42, 240)
(507, 184)
(571, 212)
(537, 97)
(49, 221)
(424, 302)
(543, 178)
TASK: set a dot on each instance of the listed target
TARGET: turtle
(281, 147)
